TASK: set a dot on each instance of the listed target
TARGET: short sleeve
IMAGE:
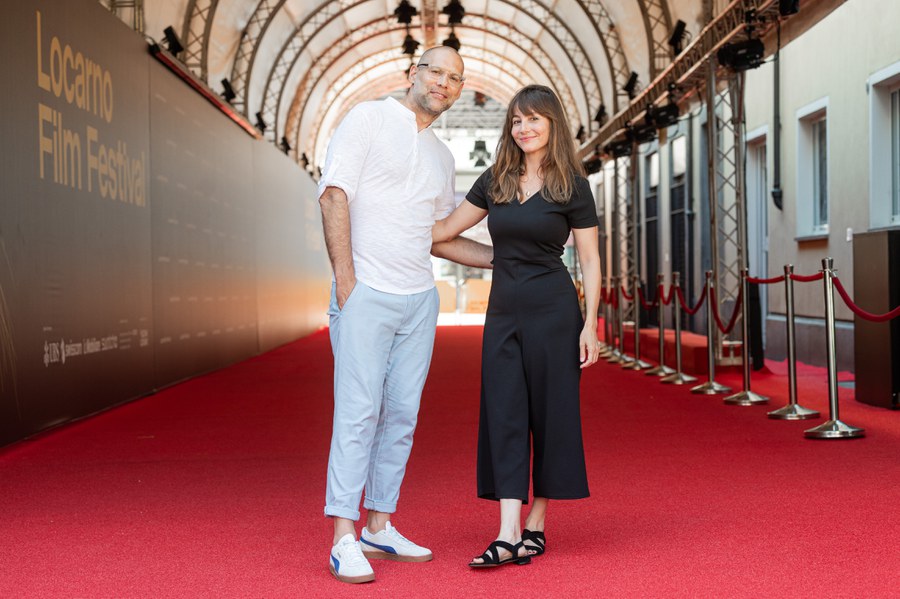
(446, 202)
(347, 150)
(583, 213)
(478, 195)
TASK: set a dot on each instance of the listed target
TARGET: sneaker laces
(352, 553)
(395, 534)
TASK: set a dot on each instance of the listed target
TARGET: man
(387, 178)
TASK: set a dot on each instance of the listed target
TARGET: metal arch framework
(573, 49)
(305, 90)
(615, 54)
(324, 63)
(242, 68)
(658, 25)
(294, 46)
(337, 88)
(198, 21)
(338, 94)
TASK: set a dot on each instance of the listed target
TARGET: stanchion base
(679, 378)
(615, 357)
(834, 429)
(625, 360)
(661, 370)
(746, 398)
(637, 365)
(794, 412)
(710, 388)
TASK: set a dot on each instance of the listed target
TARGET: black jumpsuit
(530, 370)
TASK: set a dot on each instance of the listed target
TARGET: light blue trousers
(382, 346)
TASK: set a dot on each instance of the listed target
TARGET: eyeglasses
(436, 73)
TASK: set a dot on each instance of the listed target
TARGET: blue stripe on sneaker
(337, 564)
(385, 548)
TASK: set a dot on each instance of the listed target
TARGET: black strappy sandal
(491, 556)
(534, 540)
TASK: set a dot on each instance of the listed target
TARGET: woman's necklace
(527, 187)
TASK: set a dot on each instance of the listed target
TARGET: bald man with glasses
(387, 179)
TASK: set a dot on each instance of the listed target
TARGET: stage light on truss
(480, 153)
(452, 41)
(410, 45)
(676, 40)
(261, 122)
(593, 163)
(455, 12)
(619, 148)
(741, 56)
(641, 134)
(788, 7)
(228, 91)
(601, 117)
(284, 145)
(664, 116)
(630, 86)
(174, 44)
(405, 12)
(581, 134)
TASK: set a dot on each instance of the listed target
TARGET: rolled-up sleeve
(347, 152)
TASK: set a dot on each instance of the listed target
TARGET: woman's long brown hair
(560, 165)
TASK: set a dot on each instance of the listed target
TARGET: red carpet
(214, 488)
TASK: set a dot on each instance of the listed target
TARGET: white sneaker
(348, 564)
(390, 544)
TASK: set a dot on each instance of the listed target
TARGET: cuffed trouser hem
(336, 512)
(380, 506)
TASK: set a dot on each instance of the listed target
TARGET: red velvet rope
(628, 298)
(807, 278)
(777, 279)
(684, 305)
(603, 295)
(613, 294)
(644, 303)
(666, 299)
(859, 311)
(734, 314)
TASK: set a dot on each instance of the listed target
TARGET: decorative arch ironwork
(336, 87)
(195, 34)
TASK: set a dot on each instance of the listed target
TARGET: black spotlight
(601, 117)
(410, 45)
(676, 40)
(619, 148)
(479, 99)
(260, 122)
(455, 11)
(452, 41)
(172, 41)
(304, 161)
(580, 135)
(741, 56)
(405, 12)
(664, 116)
(228, 91)
(284, 145)
(630, 87)
(641, 134)
(788, 7)
(593, 164)
(480, 153)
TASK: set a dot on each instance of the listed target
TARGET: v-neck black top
(534, 231)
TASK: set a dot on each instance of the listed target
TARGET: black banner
(75, 218)
(144, 237)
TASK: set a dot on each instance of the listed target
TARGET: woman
(535, 340)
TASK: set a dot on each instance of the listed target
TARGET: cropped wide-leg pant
(530, 386)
